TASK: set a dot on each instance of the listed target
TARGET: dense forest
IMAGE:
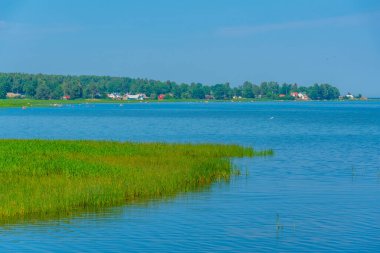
(41, 86)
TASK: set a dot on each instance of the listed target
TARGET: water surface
(320, 192)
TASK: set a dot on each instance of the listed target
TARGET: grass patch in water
(45, 178)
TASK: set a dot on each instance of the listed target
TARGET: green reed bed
(4, 103)
(26, 103)
(30, 103)
(45, 178)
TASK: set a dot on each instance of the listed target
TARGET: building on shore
(139, 96)
(300, 96)
(14, 95)
(115, 96)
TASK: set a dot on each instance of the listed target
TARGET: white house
(299, 95)
(14, 95)
(303, 96)
(139, 96)
(116, 96)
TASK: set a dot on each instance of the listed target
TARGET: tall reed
(56, 177)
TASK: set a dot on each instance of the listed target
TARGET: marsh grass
(32, 102)
(48, 178)
(29, 103)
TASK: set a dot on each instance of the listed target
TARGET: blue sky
(333, 41)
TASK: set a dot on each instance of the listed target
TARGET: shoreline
(25, 103)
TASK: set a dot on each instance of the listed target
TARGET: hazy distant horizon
(208, 84)
(209, 42)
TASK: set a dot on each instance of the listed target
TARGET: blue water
(319, 192)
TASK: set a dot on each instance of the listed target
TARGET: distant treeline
(40, 86)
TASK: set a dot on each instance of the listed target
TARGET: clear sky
(208, 41)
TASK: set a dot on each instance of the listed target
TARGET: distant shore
(25, 103)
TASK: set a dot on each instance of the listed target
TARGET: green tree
(221, 91)
(247, 90)
(313, 92)
(30, 88)
(43, 91)
(256, 91)
(3, 91)
(91, 90)
(72, 89)
(286, 89)
(197, 91)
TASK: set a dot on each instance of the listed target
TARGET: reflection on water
(100, 212)
(320, 192)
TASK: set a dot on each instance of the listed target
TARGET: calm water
(320, 192)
